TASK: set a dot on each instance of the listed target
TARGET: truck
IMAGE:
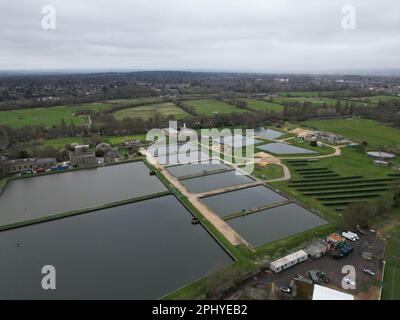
(345, 250)
(323, 276)
(59, 167)
(342, 250)
(313, 275)
(349, 236)
(40, 170)
(26, 173)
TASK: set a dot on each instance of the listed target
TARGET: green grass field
(112, 140)
(211, 107)
(350, 163)
(258, 105)
(391, 281)
(314, 100)
(270, 171)
(146, 112)
(339, 93)
(117, 140)
(319, 101)
(49, 116)
(61, 142)
(353, 162)
(360, 130)
(125, 102)
(376, 99)
(300, 93)
(3, 182)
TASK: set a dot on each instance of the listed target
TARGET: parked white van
(355, 235)
(349, 236)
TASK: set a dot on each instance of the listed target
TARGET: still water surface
(36, 197)
(235, 201)
(276, 223)
(215, 181)
(142, 250)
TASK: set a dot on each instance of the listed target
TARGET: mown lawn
(357, 129)
(147, 112)
(313, 100)
(49, 117)
(268, 172)
(3, 182)
(117, 140)
(211, 107)
(258, 105)
(376, 99)
(350, 163)
(133, 101)
(61, 142)
(339, 93)
(319, 101)
(300, 93)
(391, 281)
(112, 140)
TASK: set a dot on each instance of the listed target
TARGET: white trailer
(288, 261)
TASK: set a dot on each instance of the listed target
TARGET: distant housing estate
(21, 165)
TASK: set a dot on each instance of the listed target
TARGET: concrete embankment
(258, 209)
(3, 183)
(57, 216)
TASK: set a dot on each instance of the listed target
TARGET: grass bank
(391, 281)
(3, 182)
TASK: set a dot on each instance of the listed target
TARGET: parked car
(361, 231)
(369, 271)
(355, 235)
(313, 275)
(349, 281)
(323, 276)
(348, 236)
(285, 290)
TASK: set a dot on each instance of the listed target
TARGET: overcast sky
(226, 35)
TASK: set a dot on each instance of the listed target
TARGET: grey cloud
(237, 35)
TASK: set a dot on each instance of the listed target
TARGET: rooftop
(325, 293)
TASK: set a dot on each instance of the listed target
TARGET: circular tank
(381, 163)
(381, 155)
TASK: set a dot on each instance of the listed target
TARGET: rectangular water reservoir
(244, 199)
(276, 223)
(215, 181)
(142, 250)
(283, 148)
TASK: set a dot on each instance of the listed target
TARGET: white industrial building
(325, 293)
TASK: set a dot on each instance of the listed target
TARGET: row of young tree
(385, 111)
(363, 213)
